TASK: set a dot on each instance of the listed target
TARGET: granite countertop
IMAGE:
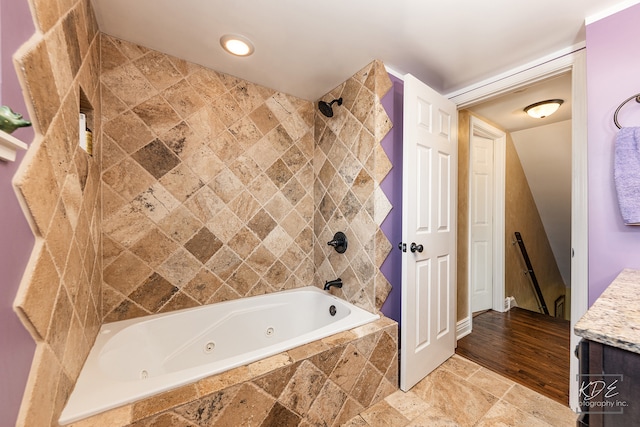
(614, 319)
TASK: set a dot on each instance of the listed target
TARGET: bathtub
(137, 358)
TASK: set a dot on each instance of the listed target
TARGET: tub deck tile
(275, 382)
(207, 410)
(281, 417)
(263, 366)
(303, 388)
(307, 350)
(250, 407)
(218, 382)
(340, 338)
(115, 417)
(328, 360)
(161, 402)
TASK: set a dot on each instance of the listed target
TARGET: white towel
(626, 173)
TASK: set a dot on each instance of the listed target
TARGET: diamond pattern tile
(202, 188)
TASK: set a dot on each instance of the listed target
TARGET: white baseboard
(463, 327)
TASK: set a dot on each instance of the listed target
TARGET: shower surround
(202, 188)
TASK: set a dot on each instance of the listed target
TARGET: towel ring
(615, 115)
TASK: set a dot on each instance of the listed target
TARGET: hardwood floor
(529, 348)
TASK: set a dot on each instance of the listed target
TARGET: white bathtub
(137, 358)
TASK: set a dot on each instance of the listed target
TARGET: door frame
(481, 128)
(570, 60)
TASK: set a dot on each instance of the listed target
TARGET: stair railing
(531, 273)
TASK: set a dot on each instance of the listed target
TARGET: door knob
(416, 248)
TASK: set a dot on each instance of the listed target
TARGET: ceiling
(507, 111)
(306, 48)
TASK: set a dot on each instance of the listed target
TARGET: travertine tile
(183, 98)
(491, 382)
(265, 365)
(180, 268)
(163, 401)
(153, 293)
(207, 410)
(39, 188)
(158, 70)
(224, 380)
(356, 421)
(281, 417)
(166, 419)
(304, 387)
(128, 84)
(60, 320)
(406, 403)
(366, 386)
(37, 300)
(505, 414)
(383, 414)
(110, 55)
(126, 273)
(460, 366)
(115, 417)
(179, 301)
(249, 407)
(127, 309)
(327, 404)
(158, 114)
(202, 286)
(348, 369)
(274, 382)
(156, 158)
(540, 406)
(127, 178)
(128, 131)
(38, 404)
(454, 397)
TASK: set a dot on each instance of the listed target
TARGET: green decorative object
(10, 121)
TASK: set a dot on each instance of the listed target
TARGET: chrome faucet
(337, 283)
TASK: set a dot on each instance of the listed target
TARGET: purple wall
(392, 188)
(613, 75)
(16, 345)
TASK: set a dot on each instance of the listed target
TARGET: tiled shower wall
(59, 185)
(208, 190)
(207, 185)
(350, 164)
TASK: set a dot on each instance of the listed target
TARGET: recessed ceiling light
(542, 109)
(236, 45)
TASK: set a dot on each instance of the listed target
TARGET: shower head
(325, 108)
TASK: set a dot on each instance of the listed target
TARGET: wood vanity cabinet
(610, 379)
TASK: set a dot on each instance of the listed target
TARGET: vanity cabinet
(609, 354)
(609, 386)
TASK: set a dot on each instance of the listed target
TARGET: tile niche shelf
(9, 145)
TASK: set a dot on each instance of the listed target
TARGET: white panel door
(481, 223)
(429, 231)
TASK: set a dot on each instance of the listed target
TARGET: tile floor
(462, 393)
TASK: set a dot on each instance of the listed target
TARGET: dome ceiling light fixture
(236, 45)
(543, 109)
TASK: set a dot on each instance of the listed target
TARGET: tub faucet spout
(337, 283)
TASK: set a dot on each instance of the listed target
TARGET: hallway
(527, 347)
(462, 393)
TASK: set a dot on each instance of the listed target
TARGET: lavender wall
(16, 345)
(613, 75)
(392, 188)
